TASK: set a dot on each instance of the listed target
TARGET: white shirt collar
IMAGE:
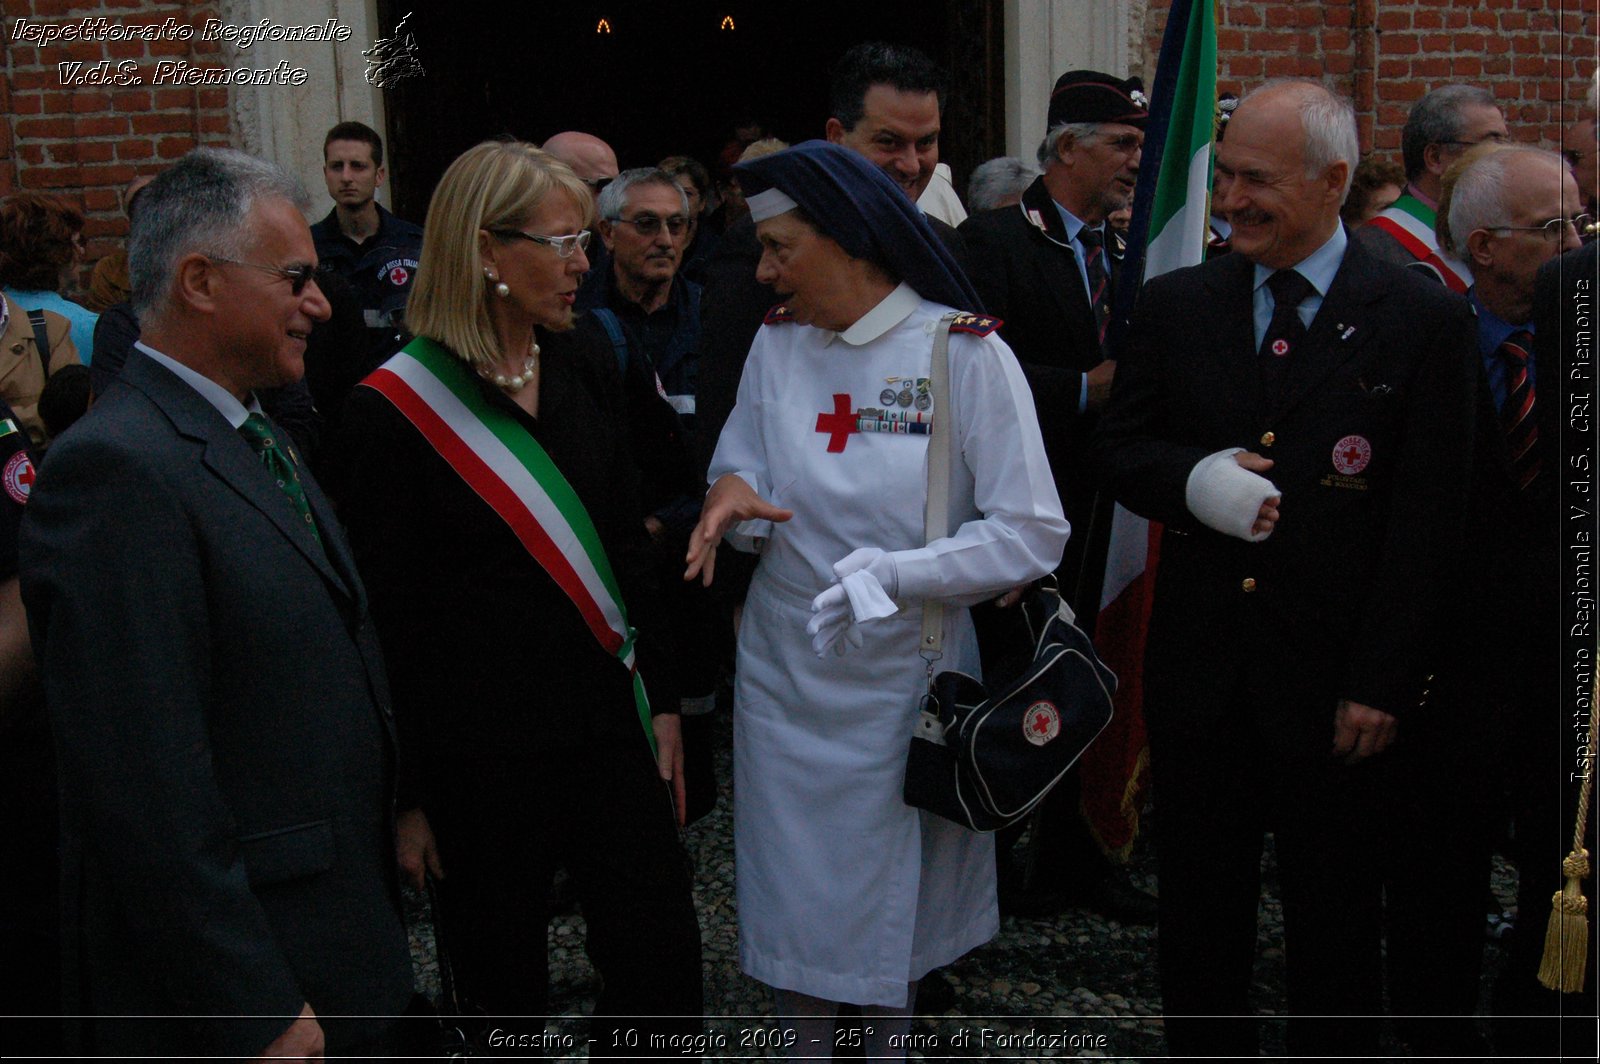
(229, 407)
(893, 309)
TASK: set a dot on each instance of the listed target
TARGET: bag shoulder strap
(936, 519)
(41, 339)
(619, 340)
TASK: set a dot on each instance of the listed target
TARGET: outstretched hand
(729, 502)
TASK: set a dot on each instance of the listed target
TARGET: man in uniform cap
(1046, 268)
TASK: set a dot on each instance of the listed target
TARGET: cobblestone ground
(1073, 985)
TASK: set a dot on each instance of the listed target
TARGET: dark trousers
(605, 816)
(1218, 790)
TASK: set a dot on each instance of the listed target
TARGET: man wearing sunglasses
(1047, 267)
(227, 832)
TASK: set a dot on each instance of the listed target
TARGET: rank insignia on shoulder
(976, 324)
(778, 315)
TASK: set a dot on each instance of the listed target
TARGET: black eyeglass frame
(298, 276)
(650, 224)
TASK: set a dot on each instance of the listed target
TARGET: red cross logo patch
(1041, 723)
(1351, 455)
(18, 478)
(1280, 347)
(840, 424)
(399, 276)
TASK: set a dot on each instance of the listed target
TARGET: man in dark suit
(1293, 616)
(1046, 268)
(222, 725)
(1509, 219)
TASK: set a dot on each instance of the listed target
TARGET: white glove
(1225, 496)
(866, 580)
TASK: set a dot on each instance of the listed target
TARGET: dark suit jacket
(1344, 594)
(223, 732)
(1029, 278)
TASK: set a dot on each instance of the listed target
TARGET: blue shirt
(1076, 225)
(81, 320)
(1318, 267)
(1492, 332)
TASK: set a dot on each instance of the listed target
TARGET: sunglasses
(650, 225)
(566, 246)
(297, 276)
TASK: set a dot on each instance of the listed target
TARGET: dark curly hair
(38, 232)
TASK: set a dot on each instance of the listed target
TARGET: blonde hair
(498, 184)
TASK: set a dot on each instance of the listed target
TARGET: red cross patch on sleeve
(976, 324)
(778, 315)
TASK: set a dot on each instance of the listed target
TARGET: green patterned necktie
(257, 431)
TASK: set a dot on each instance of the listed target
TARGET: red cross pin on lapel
(840, 424)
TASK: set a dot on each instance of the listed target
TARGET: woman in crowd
(41, 248)
(490, 503)
(846, 894)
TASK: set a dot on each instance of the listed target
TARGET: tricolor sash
(1411, 222)
(507, 468)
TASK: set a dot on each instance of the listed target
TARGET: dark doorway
(668, 78)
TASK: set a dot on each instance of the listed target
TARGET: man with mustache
(1046, 267)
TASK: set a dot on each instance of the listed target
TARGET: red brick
(131, 100)
(85, 51)
(1468, 42)
(1398, 44)
(102, 126)
(213, 97)
(102, 228)
(1485, 19)
(173, 147)
(108, 174)
(53, 176)
(1513, 20)
(216, 124)
(1495, 44)
(93, 151)
(1261, 41)
(1496, 65)
(85, 102)
(173, 99)
(1242, 15)
(1427, 20)
(1393, 20)
(133, 148)
(161, 123)
(1334, 15)
(1393, 68)
(31, 80)
(1281, 15)
(1456, 18)
(45, 129)
(1336, 40)
(101, 199)
(1466, 66)
(1529, 66)
(1339, 64)
(1434, 43)
(1431, 67)
(1246, 67)
(1229, 43)
(27, 104)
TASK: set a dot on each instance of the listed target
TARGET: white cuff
(1225, 496)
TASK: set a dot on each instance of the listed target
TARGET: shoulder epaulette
(778, 315)
(976, 324)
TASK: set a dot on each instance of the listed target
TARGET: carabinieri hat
(1090, 96)
(854, 203)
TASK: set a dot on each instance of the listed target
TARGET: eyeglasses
(1498, 138)
(297, 276)
(566, 246)
(650, 225)
(1554, 229)
(1126, 143)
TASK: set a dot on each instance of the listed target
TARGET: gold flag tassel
(1566, 938)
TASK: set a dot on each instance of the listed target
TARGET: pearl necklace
(516, 382)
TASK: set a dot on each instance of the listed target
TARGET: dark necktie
(1094, 263)
(1516, 415)
(258, 433)
(1285, 331)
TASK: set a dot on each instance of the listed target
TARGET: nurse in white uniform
(846, 894)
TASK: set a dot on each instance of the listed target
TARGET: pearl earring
(501, 289)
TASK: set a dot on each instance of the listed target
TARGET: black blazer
(224, 737)
(1371, 436)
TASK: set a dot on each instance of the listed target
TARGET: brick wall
(1536, 56)
(86, 142)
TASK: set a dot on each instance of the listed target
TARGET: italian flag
(1171, 218)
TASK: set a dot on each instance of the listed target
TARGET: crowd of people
(594, 437)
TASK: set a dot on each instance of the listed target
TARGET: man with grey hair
(1510, 214)
(999, 183)
(1297, 415)
(213, 681)
(1441, 125)
(1046, 267)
